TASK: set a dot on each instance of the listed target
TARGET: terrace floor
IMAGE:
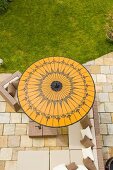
(14, 126)
(102, 72)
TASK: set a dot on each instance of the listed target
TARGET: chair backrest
(13, 102)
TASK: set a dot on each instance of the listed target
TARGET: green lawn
(34, 29)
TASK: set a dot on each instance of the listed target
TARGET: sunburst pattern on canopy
(56, 91)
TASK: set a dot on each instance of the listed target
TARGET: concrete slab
(76, 156)
(75, 136)
(58, 157)
(34, 160)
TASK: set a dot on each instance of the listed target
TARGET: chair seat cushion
(11, 89)
(86, 142)
(85, 122)
(87, 152)
(87, 132)
(72, 166)
(15, 84)
(89, 164)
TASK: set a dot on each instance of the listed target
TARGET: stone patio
(102, 72)
(14, 126)
(14, 136)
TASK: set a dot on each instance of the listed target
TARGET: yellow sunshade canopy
(56, 91)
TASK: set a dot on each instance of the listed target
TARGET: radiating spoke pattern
(56, 91)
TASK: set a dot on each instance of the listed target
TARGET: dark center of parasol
(56, 86)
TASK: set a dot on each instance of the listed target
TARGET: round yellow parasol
(56, 91)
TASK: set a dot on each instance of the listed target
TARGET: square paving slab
(75, 136)
(59, 157)
(33, 160)
(76, 156)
